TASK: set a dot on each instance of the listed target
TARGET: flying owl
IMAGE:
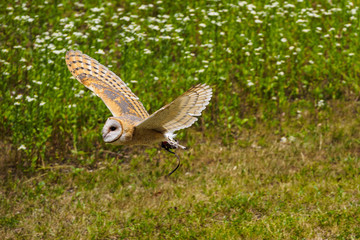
(131, 124)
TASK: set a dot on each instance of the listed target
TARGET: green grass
(308, 188)
(275, 154)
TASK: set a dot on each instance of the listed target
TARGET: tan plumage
(180, 113)
(105, 84)
(131, 124)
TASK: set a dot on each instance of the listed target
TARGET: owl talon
(174, 143)
(168, 146)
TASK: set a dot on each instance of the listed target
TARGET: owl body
(131, 124)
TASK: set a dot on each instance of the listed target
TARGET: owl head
(113, 130)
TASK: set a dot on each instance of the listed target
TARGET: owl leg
(167, 146)
(174, 143)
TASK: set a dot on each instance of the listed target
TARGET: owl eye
(112, 128)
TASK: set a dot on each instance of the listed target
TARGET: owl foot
(174, 144)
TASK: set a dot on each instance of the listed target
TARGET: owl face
(112, 130)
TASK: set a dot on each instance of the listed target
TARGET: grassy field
(276, 154)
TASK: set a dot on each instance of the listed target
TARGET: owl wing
(105, 84)
(181, 113)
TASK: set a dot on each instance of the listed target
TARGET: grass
(275, 154)
(256, 188)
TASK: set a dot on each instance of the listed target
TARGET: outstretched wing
(181, 113)
(105, 84)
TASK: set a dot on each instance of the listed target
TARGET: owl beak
(107, 137)
(104, 136)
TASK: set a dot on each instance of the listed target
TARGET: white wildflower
(30, 99)
(22, 147)
(129, 39)
(250, 83)
(298, 114)
(18, 97)
(143, 7)
(212, 13)
(37, 82)
(126, 18)
(147, 51)
(57, 52)
(320, 103)
(100, 51)
(95, 9)
(289, 5)
(77, 34)
(167, 37)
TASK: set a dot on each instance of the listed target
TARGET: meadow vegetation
(274, 156)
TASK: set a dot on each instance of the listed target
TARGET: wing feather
(105, 84)
(181, 113)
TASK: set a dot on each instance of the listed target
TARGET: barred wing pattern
(105, 84)
(181, 113)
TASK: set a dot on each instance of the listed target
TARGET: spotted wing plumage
(105, 84)
(181, 113)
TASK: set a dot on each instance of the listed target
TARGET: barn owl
(131, 124)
